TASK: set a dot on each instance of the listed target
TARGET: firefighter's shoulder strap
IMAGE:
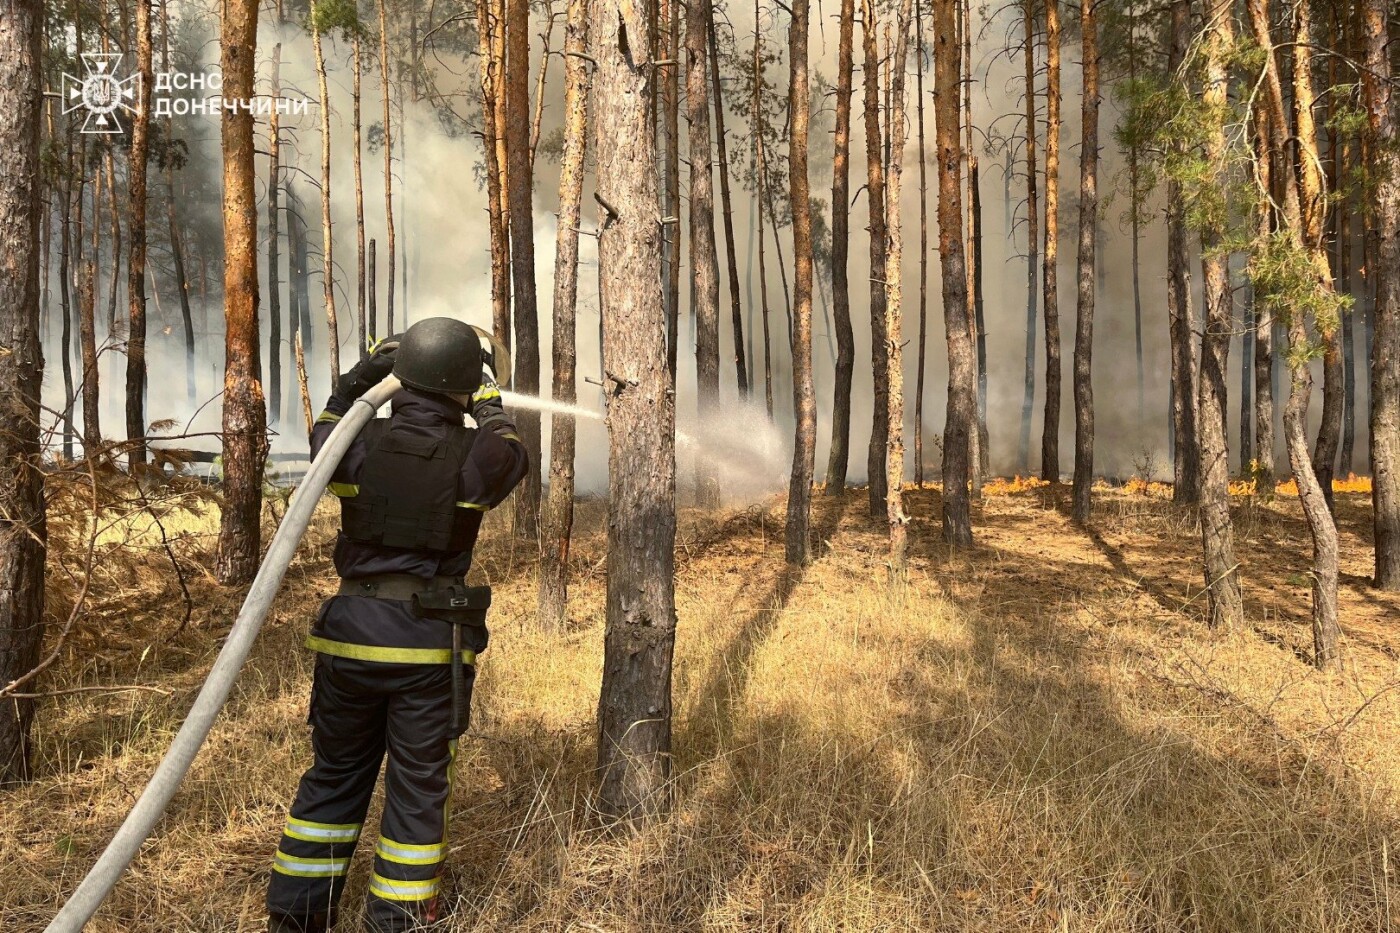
(407, 496)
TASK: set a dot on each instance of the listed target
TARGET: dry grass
(1041, 736)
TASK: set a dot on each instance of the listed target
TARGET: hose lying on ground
(212, 696)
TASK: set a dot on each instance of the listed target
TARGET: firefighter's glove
(370, 371)
(486, 407)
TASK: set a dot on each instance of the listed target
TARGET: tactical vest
(407, 494)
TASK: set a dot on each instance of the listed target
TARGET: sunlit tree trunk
(490, 76)
(274, 226)
(388, 145)
(839, 454)
(957, 521)
(1032, 241)
(557, 518)
(671, 165)
(634, 709)
(244, 418)
(923, 247)
(879, 243)
(136, 228)
(1226, 607)
(704, 263)
(1088, 216)
(1050, 436)
(1385, 342)
(357, 64)
(804, 449)
(1185, 463)
(327, 240)
(23, 533)
(894, 309)
(760, 172)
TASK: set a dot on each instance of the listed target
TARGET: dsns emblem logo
(100, 92)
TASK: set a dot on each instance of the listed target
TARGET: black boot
(298, 923)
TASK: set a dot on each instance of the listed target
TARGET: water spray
(172, 769)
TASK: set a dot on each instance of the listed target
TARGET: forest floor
(1043, 735)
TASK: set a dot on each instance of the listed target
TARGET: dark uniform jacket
(387, 630)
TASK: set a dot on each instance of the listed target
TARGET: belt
(397, 586)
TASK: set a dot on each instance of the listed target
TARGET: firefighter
(396, 647)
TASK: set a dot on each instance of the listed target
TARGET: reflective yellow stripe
(405, 854)
(344, 490)
(327, 417)
(342, 649)
(474, 506)
(488, 391)
(307, 831)
(309, 867)
(391, 889)
(512, 437)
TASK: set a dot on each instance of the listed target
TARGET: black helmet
(440, 354)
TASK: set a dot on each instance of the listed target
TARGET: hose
(156, 797)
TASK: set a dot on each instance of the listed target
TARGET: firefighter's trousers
(361, 710)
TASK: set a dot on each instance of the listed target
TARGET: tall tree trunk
(116, 237)
(1135, 222)
(136, 226)
(23, 533)
(522, 249)
(177, 253)
(875, 198)
(1032, 243)
(1226, 607)
(727, 211)
(704, 263)
(371, 284)
(1263, 360)
(1185, 463)
(1347, 465)
(358, 66)
(957, 522)
(1314, 203)
(1385, 341)
(894, 316)
(980, 437)
(557, 518)
(923, 248)
(327, 240)
(274, 261)
(634, 709)
(65, 288)
(1088, 217)
(671, 164)
(1050, 436)
(761, 196)
(87, 333)
(388, 144)
(245, 418)
(804, 404)
(839, 454)
(490, 68)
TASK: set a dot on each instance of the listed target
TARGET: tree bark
(671, 164)
(1050, 436)
(23, 533)
(1226, 607)
(1088, 217)
(704, 263)
(923, 249)
(804, 447)
(894, 316)
(879, 241)
(557, 518)
(274, 261)
(245, 418)
(65, 285)
(360, 334)
(1032, 243)
(957, 521)
(490, 67)
(388, 144)
(760, 173)
(136, 228)
(327, 240)
(525, 315)
(1385, 342)
(839, 455)
(1263, 315)
(727, 211)
(634, 709)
